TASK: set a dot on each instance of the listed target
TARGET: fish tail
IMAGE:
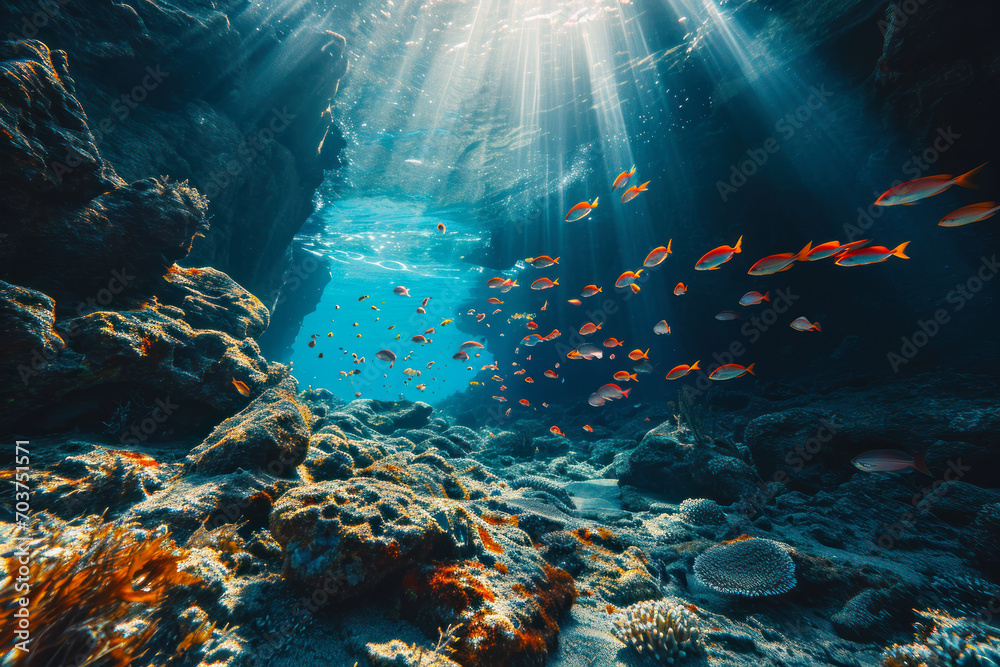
(804, 253)
(767, 296)
(626, 391)
(816, 326)
(899, 251)
(750, 369)
(631, 172)
(594, 205)
(645, 355)
(634, 378)
(555, 282)
(920, 463)
(695, 366)
(737, 248)
(555, 261)
(965, 180)
(668, 246)
(643, 188)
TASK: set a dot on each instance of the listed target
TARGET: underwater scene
(499, 333)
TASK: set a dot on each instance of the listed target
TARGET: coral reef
(664, 630)
(943, 641)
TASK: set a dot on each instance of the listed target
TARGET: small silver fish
(889, 460)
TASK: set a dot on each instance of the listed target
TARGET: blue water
(377, 244)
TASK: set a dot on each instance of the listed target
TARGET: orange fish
(551, 374)
(718, 256)
(623, 179)
(495, 281)
(441, 228)
(681, 370)
(493, 299)
(635, 288)
(545, 305)
(623, 376)
(520, 372)
(421, 310)
(555, 334)
(531, 325)
(503, 387)
(529, 380)
(928, 186)
(500, 398)
(730, 372)
(802, 324)
(681, 288)
(633, 192)
(575, 302)
(241, 387)
(524, 401)
(581, 210)
(444, 322)
(419, 338)
(613, 342)
(557, 431)
(590, 290)
(311, 343)
(969, 214)
(461, 356)
(588, 428)
(637, 354)
(871, 255)
(831, 248)
(429, 331)
(544, 283)
(753, 298)
(480, 317)
(357, 394)
(627, 278)
(542, 261)
(589, 328)
(780, 262)
(657, 255)
(508, 285)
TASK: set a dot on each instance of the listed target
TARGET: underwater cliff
(499, 333)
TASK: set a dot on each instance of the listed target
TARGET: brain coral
(663, 630)
(750, 567)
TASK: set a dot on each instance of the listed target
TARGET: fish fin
(920, 463)
(737, 248)
(786, 268)
(635, 288)
(816, 326)
(555, 282)
(767, 296)
(634, 378)
(555, 261)
(631, 172)
(643, 188)
(626, 391)
(594, 205)
(646, 354)
(899, 251)
(695, 366)
(750, 369)
(668, 246)
(965, 180)
(804, 253)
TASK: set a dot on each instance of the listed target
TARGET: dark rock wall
(132, 137)
(230, 96)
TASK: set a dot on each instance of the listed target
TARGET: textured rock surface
(217, 94)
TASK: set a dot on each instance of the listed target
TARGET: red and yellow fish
(679, 371)
(657, 255)
(871, 255)
(633, 192)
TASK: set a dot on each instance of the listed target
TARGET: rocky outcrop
(217, 94)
